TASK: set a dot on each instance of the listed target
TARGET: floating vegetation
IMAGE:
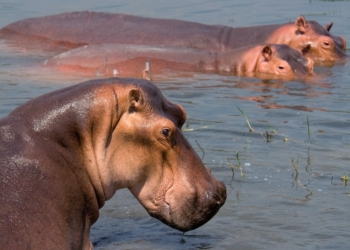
(250, 127)
(239, 166)
(308, 128)
(345, 178)
(295, 167)
(268, 136)
(296, 179)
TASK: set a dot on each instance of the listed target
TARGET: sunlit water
(271, 207)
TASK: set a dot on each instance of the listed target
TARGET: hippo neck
(65, 121)
(239, 61)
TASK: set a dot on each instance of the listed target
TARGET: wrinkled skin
(63, 154)
(147, 62)
(74, 29)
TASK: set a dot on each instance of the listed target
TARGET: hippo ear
(301, 24)
(306, 49)
(266, 52)
(135, 100)
(328, 26)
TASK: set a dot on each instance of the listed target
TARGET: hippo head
(150, 156)
(282, 60)
(325, 47)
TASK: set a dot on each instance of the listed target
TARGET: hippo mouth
(337, 57)
(189, 213)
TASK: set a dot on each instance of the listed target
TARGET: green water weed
(345, 178)
(308, 128)
(234, 166)
(296, 179)
(250, 127)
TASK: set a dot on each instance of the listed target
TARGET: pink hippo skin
(275, 60)
(63, 154)
(75, 29)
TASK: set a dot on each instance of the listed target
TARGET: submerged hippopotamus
(63, 154)
(141, 61)
(75, 29)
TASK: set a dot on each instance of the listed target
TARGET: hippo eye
(280, 67)
(326, 44)
(166, 132)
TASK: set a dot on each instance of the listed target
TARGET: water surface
(270, 207)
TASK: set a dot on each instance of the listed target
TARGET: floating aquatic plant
(345, 178)
(308, 128)
(233, 166)
(296, 178)
(250, 127)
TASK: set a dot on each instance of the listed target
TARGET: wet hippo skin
(74, 29)
(148, 61)
(63, 154)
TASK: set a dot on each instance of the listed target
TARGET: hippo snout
(219, 196)
(207, 205)
(194, 206)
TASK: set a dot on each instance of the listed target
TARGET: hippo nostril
(220, 201)
(217, 199)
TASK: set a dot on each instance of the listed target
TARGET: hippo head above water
(268, 61)
(282, 60)
(163, 172)
(63, 154)
(325, 48)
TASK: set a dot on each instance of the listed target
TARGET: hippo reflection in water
(63, 154)
(75, 29)
(276, 60)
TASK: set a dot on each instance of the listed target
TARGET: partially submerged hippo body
(63, 154)
(146, 61)
(75, 29)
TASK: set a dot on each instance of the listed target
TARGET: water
(270, 207)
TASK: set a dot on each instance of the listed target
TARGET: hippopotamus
(75, 29)
(268, 60)
(63, 154)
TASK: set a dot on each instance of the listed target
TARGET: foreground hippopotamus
(63, 154)
(75, 29)
(141, 61)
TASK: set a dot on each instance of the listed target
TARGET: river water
(269, 206)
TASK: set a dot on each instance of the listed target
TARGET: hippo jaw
(186, 195)
(186, 212)
(187, 220)
(194, 211)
